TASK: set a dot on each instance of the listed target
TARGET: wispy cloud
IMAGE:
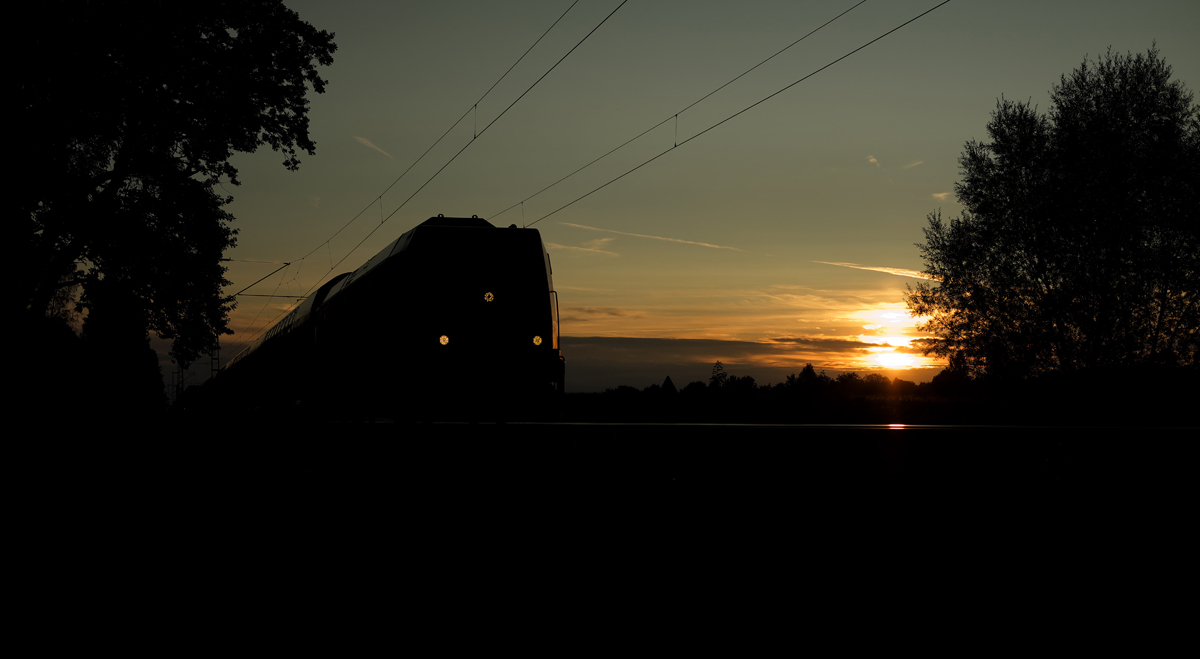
(605, 311)
(903, 272)
(365, 142)
(942, 196)
(587, 290)
(886, 174)
(913, 164)
(597, 243)
(823, 343)
(642, 235)
(586, 250)
(574, 315)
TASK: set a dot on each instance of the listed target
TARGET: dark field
(432, 522)
(379, 468)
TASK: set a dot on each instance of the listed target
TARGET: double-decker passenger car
(456, 318)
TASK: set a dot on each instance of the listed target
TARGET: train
(455, 319)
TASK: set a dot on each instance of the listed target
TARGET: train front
(481, 326)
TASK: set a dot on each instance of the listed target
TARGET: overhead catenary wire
(473, 108)
(267, 275)
(706, 130)
(649, 160)
(242, 342)
(739, 112)
(675, 116)
(472, 141)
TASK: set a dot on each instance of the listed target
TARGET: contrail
(642, 235)
(580, 249)
(903, 272)
(364, 141)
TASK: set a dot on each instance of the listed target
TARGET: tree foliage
(130, 113)
(1079, 245)
(719, 377)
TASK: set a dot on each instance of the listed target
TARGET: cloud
(942, 196)
(902, 272)
(642, 235)
(364, 141)
(822, 343)
(588, 290)
(586, 250)
(607, 311)
(913, 164)
(597, 243)
(886, 174)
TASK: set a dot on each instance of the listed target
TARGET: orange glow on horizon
(890, 331)
(768, 333)
(896, 360)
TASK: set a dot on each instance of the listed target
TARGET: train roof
(473, 221)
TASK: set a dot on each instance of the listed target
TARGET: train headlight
(537, 340)
(444, 339)
(488, 297)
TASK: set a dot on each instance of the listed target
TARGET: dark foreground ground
(265, 471)
(446, 530)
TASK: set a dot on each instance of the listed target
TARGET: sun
(895, 360)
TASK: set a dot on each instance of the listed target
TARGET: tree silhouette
(719, 376)
(808, 382)
(130, 113)
(112, 335)
(740, 384)
(876, 384)
(1078, 247)
(849, 384)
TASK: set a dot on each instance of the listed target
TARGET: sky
(784, 236)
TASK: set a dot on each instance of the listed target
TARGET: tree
(876, 384)
(122, 148)
(740, 385)
(849, 384)
(1078, 246)
(719, 377)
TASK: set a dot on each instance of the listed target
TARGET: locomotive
(456, 318)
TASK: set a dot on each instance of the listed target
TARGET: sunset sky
(781, 237)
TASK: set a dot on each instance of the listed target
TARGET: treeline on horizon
(1129, 396)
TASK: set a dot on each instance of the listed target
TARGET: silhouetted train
(455, 318)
